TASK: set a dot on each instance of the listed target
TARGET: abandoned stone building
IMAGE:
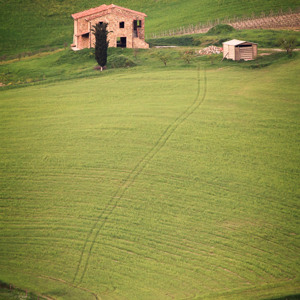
(126, 27)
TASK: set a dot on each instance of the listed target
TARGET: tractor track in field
(130, 179)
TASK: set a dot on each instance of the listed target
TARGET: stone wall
(84, 38)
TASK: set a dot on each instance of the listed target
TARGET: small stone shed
(237, 50)
(126, 27)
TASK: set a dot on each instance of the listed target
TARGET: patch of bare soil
(288, 21)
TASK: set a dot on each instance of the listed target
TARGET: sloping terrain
(150, 182)
(30, 25)
(184, 188)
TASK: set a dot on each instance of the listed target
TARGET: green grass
(67, 64)
(140, 184)
(9, 292)
(264, 38)
(41, 67)
(147, 182)
(26, 26)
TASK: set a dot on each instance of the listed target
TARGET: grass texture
(162, 183)
(264, 38)
(67, 64)
(27, 25)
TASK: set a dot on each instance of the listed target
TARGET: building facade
(126, 27)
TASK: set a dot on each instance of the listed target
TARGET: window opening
(121, 42)
(122, 24)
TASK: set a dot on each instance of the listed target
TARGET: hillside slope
(153, 183)
(29, 25)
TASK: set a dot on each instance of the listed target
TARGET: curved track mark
(130, 179)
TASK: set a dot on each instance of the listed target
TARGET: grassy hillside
(264, 38)
(67, 64)
(153, 183)
(147, 182)
(30, 25)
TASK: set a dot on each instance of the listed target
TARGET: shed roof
(103, 8)
(236, 42)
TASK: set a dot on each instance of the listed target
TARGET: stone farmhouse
(126, 27)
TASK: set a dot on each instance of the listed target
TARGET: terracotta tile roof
(102, 8)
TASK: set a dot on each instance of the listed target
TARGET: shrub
(120, 61)
(163, 57)
(220, 29)
(288, 43)
(196, 42)
(187, 56)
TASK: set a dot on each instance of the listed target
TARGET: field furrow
(158, 190)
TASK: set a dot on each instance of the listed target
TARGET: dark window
(86, 35)
(121, 42)
(122, 24)
(136, 24)
(100, 23)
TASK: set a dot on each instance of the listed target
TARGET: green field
(67, 64)
(145, 181)
(264, 38)
(153, 183)
(27, 25)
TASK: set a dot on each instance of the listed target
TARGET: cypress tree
(101, 44)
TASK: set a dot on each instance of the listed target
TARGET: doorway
(136, 24)
(121, 42)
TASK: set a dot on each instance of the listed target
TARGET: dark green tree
(101, 43)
